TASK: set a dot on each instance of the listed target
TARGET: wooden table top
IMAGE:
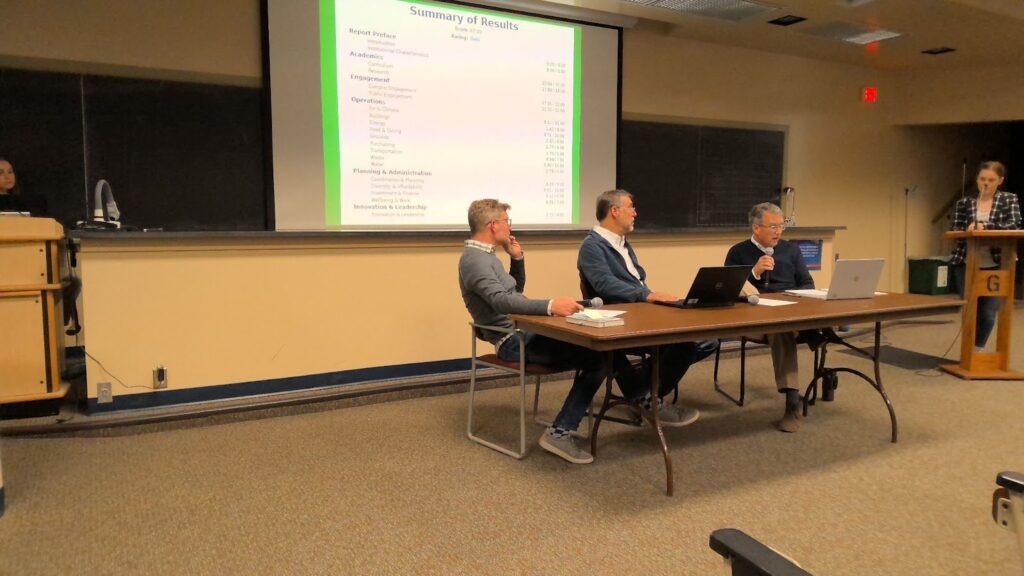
(651, 324)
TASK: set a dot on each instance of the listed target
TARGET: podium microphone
(769, 251)
(591, 303)
(984, 190)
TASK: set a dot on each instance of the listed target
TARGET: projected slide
(428, 106)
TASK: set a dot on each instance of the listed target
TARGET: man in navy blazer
(609, 268)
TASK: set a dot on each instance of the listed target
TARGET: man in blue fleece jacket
(609, 266)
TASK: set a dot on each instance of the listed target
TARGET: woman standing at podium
(991, 209)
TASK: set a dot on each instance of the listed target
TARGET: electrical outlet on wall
(104, 395)
(159, 377)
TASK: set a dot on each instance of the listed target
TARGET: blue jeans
(558, 354)
(675, 360)
(988, 307)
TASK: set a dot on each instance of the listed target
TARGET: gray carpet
(396, 488)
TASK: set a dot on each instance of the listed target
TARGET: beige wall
(195, 40)
(222, 312)
(961, 95)
(842, 155)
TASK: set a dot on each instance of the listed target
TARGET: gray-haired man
(777, 266)
(491, 293)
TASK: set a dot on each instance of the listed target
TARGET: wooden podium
(995, 283)
(31, 312)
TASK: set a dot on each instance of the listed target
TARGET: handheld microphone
(751, 299)
(769, 251)
(595, 302)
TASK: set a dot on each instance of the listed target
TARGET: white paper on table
(770, 302)
(598, 313)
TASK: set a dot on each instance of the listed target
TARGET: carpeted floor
(396, 488)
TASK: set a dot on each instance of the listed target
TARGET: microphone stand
(976, 204)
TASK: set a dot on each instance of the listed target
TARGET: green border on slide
(576, 114)
(329, 105)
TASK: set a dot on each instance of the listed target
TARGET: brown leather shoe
(791, 421)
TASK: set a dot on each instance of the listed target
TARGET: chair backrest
(586, 290)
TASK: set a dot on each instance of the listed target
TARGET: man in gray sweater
(491, 294)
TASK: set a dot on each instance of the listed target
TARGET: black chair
(829, 379)
(521, 369)
(748, 557)
(1008, 505)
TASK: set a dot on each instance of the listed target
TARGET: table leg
(653, 416)
(875, 383)
(610, 401)
(878, 380)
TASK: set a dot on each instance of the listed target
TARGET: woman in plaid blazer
(991, 209)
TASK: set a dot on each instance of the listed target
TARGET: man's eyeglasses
(774, 227)
(505, 220)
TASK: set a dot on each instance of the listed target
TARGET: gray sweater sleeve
(491, 293)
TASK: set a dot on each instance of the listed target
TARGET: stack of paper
(597, 318)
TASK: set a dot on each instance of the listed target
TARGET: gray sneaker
(565, 447)
(677, 415)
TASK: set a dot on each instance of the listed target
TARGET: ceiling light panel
(732, 10)
(853, 33)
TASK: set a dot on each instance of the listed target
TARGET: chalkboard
(691, 176)
(179, 156)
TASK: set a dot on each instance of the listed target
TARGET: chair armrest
(478, 327)
(1012, 481)
(751, 558)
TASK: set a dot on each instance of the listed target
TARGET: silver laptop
(851, 279)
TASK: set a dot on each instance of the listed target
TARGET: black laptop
(715, 286)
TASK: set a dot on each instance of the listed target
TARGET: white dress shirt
(619, 243)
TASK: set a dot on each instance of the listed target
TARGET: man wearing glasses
(777, 266)
(609, 269)
(491, 294)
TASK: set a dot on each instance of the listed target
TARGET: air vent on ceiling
(939, 50)
(733, 10)
(787, 20)
(853, 33)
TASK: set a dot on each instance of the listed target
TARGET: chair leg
(472, 396)
(522, 416)
(743, 373)
(536, 402)
(718, 358)
(743, 370)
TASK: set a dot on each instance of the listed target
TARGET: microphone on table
(751, 299)
(595, 302)
(769, 251)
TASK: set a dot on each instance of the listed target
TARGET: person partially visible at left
(491, 294)
(11, 197)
